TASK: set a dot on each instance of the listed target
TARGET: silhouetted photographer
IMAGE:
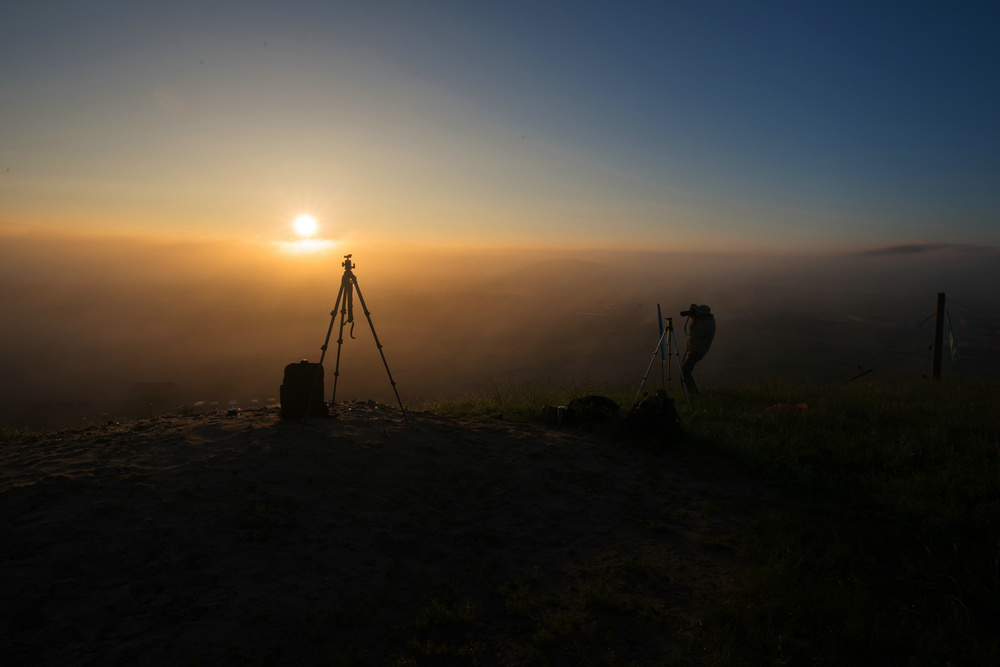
(700, 330)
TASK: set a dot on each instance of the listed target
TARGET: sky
(715, 126)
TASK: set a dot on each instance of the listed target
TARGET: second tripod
(345, 304)
(666, 347)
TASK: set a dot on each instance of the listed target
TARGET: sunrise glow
(305, 226)
(307, 246)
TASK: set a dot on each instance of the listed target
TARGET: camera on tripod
(345, 305)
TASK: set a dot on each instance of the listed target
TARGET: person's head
(700, 312)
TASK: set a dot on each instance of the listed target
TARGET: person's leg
(687, 368)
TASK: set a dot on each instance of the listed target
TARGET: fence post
(938, 338)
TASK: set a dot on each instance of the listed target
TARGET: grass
(10, 434)
(523, 401)
(883, 546)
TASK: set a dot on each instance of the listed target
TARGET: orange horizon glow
(278, 238)
(307, 246)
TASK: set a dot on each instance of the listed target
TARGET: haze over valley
(121, 325)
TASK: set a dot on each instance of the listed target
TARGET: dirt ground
(361, 539)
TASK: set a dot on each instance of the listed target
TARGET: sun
(306, 240)
(305, 226)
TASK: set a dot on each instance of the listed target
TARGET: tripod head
(347, 263)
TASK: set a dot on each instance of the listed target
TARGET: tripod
(345, 302)
(666, 336)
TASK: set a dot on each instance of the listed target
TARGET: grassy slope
(885, 548)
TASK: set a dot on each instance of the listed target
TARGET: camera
(690, 312)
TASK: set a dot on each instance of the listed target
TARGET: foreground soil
(360, 539)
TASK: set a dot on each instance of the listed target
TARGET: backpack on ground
(590, 411)
(302, 391)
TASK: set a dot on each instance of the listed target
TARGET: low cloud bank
(915, 248)
(92, 323)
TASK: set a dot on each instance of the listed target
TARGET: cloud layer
(90, 318)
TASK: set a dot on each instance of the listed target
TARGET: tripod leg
(677, 353)
(345, 288)
(670, 377)
(326, 343)
(333, 319)
(378, 344)
(651, 360)
(663, 351)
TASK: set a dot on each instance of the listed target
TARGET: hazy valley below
(101, 328)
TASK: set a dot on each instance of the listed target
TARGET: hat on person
(703, 310)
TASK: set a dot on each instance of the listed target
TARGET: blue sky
(668, 125)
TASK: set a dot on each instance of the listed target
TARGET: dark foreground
(208, 539)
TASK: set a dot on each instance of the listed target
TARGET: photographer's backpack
(302, 391)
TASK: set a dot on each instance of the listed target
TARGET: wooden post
(938, 338)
